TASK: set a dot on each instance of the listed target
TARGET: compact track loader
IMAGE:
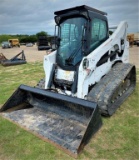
(86, 75)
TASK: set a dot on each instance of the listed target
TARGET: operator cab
(80, 30)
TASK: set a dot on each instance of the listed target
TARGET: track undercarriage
(114, 88)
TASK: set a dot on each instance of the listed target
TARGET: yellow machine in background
(130, 38)
(14, 42)
(133, 39)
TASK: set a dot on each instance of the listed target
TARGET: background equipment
(42, 43)
(16, 60)
(14, 42)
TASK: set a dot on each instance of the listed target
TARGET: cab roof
(79, 8)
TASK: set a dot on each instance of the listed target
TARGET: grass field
(118, 139)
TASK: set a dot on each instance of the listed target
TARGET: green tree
(42, 33)
(27, 39)
(4, 37)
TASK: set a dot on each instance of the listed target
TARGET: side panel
(115, 48)
(49, 60)
(125, 57)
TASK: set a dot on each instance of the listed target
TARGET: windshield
(71, 33)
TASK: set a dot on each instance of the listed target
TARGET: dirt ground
(134, 55)
(32, 54)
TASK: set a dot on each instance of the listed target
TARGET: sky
(33, 16)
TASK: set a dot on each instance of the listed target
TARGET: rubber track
(103, 91)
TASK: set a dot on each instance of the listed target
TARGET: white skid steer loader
(86, 75)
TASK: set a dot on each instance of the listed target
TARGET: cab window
(98, 33)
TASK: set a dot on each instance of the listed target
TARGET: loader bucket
(16, 60)
(64, 121)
